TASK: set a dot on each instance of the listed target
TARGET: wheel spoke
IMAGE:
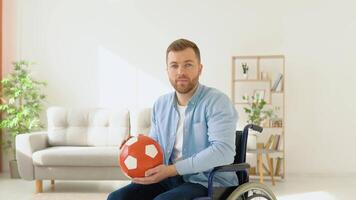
(252, 191)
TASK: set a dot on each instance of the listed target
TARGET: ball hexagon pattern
(139, 154)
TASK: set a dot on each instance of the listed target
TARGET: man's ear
(201, 69)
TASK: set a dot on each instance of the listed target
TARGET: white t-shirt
(178, 145)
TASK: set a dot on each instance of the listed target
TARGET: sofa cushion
(140, 121)
(87, 127)
(77, 156)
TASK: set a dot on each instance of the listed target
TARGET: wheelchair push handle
(253, 127)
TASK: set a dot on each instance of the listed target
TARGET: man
(195, 126)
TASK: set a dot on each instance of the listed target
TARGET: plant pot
(252, 140)
(245, 76)
(14, 172)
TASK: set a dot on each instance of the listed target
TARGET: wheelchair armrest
(232, 167)
(225, 168)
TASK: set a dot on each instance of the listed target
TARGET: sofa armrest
(26, 145)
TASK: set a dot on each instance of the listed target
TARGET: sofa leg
(52, 184)
(38, 186)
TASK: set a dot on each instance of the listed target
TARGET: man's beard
(184, 89)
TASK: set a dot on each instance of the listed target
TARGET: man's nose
(181, 70)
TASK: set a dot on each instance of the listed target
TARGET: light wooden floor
(294, 188)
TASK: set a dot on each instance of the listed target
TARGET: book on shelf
(275, 145)
(278, 166)
(277, 82)
(269, 142)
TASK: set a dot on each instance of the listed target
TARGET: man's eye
(188, 65)
(174, 66)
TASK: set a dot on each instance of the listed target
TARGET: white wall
(112, 53)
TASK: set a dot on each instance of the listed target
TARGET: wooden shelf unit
(263, 63)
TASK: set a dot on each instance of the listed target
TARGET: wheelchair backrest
(241, 143)
(240, 157)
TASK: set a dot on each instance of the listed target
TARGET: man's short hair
(182, 44)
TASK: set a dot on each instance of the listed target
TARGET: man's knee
(111, 196)
(117, 195)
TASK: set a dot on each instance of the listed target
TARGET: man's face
(183, 70)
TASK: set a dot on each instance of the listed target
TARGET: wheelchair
(245, 190)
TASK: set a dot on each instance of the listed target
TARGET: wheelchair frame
(240, 167)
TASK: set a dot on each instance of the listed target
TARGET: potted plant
(244, 70)
(21, 105)
(257, 114)
(256, 111)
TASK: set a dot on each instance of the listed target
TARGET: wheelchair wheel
(252, 191)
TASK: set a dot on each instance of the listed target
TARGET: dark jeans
(173, 188)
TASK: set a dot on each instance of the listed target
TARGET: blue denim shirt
(208, 134)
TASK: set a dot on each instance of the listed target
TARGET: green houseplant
(21, 104)
(257, 114)
(256, 110)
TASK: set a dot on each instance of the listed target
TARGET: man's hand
(157, 174)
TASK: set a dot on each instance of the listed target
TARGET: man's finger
(144, 181)
(149, 173)
(152, 171)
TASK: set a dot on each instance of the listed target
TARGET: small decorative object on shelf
(276, 85)
(277, 123)
(259, 94)
(244, 70)
(264, 76)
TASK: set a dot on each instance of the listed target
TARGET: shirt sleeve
(221, 122)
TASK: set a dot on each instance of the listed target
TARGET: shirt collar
(194, 100)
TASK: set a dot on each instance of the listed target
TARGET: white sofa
(80, 144)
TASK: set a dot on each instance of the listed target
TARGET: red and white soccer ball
(139, 154)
